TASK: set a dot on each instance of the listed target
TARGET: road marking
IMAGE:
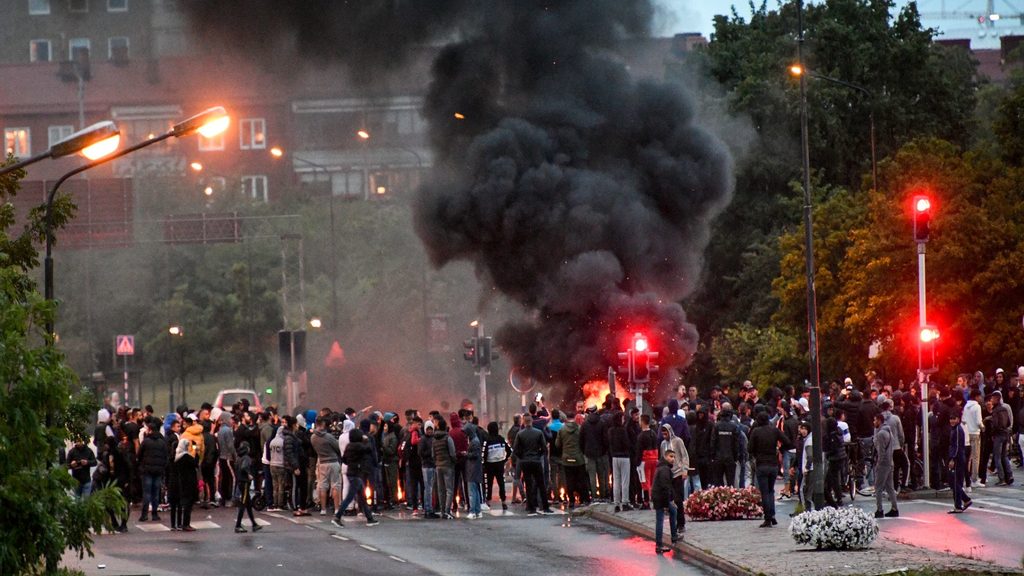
(153, 527)
(976, 509)
(204, 525)
(368, 547)
(988, 502)
(263, 522)
(339, 537)
(397, 559)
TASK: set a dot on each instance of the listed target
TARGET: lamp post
(277, 152)
(176, 332)
(818, 489)
(93, 142)
(799, 70)
(209, 123)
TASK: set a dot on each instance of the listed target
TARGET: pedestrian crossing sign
(125, 345)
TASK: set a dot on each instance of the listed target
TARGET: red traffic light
(929, 334)
(640, 343)
(922, 204)
(922, 217)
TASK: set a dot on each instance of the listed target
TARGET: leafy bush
(847, 528)
(724, 503)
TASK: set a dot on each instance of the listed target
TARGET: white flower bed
(847, 528)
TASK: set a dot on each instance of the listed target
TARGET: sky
(695, 16)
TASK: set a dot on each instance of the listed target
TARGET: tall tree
(39, 411)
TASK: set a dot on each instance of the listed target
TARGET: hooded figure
(676, 444)
(678, 423)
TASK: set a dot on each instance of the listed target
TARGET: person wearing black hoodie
(594, 443)
(725, 449)
(662, 501)
(620, 449)
(765, 441)
(702, 446)
(243, 481)
(357, 457)
(496, 453)
(153, 456)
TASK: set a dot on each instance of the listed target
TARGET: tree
(766, 356)
(919, 89)
(973, 256)
(39, 520)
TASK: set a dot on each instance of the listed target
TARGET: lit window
(78, 5)
(39, 51)
(38, 7)
(117, 48)
(253, 134)
(78, 49)
(117, 5)
(57, 133)
(255, 187)
(18, 141)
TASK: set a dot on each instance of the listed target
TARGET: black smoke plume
(582, 195)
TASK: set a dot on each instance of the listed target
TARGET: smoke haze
(578, 193)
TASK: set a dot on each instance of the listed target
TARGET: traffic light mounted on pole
(471, 352)
(922, 217)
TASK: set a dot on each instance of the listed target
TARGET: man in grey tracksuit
(885, 443)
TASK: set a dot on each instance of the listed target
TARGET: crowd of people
(438, 465)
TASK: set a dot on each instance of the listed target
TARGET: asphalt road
(401, 545)
(990, 530)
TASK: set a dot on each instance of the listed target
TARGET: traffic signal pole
(483, 367)
(922, 378)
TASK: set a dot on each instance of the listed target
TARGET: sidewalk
(740, 547)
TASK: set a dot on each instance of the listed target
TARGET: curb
(708, 559)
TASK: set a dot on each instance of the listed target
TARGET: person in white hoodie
(973, 425)
(347, 426)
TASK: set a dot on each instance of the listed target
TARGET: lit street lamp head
(363, 134)
(276, 152)
(207, 123)
(176, 331)
(196, 166)
(93, 142)
(796, 70)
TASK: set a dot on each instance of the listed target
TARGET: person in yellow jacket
(194, 434)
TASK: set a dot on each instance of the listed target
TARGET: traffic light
(929, 336)
(652, 368)
(471, 351)
(625, 367)
(641, 359)
(922, 217)
(483, 353)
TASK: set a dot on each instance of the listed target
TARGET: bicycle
(854, 470)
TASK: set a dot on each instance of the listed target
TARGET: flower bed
(724, 503)
(847, 528)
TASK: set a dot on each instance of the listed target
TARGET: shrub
(847, 528)
(724, 503)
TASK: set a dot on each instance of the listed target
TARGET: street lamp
(798, 70)
(277, 152)
(818, 489)
(176, 332)
(93, 142)
(315, 323)
(208, 123)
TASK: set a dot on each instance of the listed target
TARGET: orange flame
(369, 493)
(400, 494)
(595, 391)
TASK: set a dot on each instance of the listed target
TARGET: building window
(117, 48)
(57, 133)
(253, 134)
(38, 7)
(18, 141)
(39, 51)
(78, 5)
(255, 187)
(78, 49)
(117, 5)
(211, 144)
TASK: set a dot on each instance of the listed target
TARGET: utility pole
(818, 489)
